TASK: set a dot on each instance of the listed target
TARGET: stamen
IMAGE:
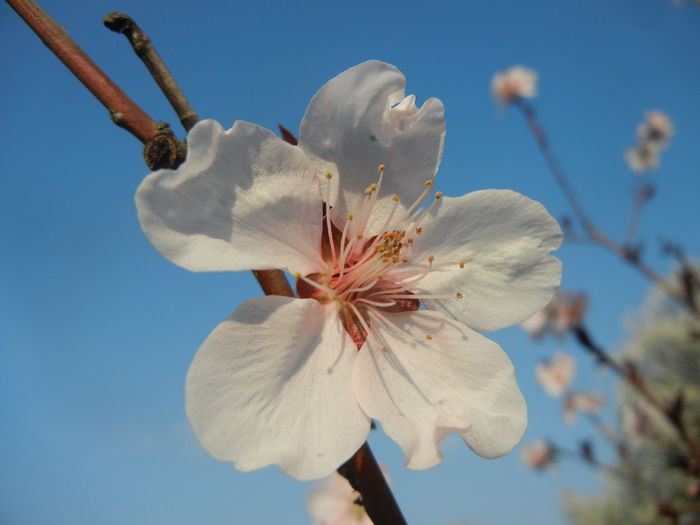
(329, 176)
(329, 291)
(344, 250)
(425, 212)
(379, 304)
(414, 296)
(364, 288)
(419, 200)
(359, 318)
(461, 264)
(459, 295)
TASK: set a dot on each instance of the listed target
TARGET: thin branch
(365, 476)
(141, 43)
(552, 162)
(641, 196)
(626, 473)
(124, 112)
(273, 282)
(625, 253)
(631, 375)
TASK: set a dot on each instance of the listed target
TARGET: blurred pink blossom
(539, 454)
(588, 402)
(555, 375)
(564, 311)
(513, 83)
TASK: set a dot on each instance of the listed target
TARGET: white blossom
(653, 136)
(556, 375)
(587, 402)
(564, 311)
(513, 83)
(295, 381)
(539, 454)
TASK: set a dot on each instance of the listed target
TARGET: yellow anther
(459, 295)
(404, 260)
(296, 275)
(431, 258)
(395, 198)
(461, 264)
(382, 167)
(429, 337)
(349, 217)
(385, 349)
(438, 195)
(428, 183)
(359, 236)
(329, 175)
(419, 230)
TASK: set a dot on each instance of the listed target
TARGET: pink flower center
(370, 276)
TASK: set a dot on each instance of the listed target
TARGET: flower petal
(361, 119)
(271, 385)
(504, 240)
(243, 199)
(422, 389)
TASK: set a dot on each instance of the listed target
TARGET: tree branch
(124, 112)
(141, 43)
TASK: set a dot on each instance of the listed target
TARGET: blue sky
(97, 330)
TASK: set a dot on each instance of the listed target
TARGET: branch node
(164, 150)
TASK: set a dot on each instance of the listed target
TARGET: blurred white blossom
(564, 311)
(335, 502)
(513, 83)
(555, 375)
(539, 454)
(653, 136)
(586, 402)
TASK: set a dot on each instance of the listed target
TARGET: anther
(329, 175)
(428, 183)
(431, 258)
(349, 217)
(438, 195)
(404, 260)
(382, 167)
(419, 230)
(461, 264)
(395, 198)
(385, 349)
(359, 236)
(429, 337)
(459, 295)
